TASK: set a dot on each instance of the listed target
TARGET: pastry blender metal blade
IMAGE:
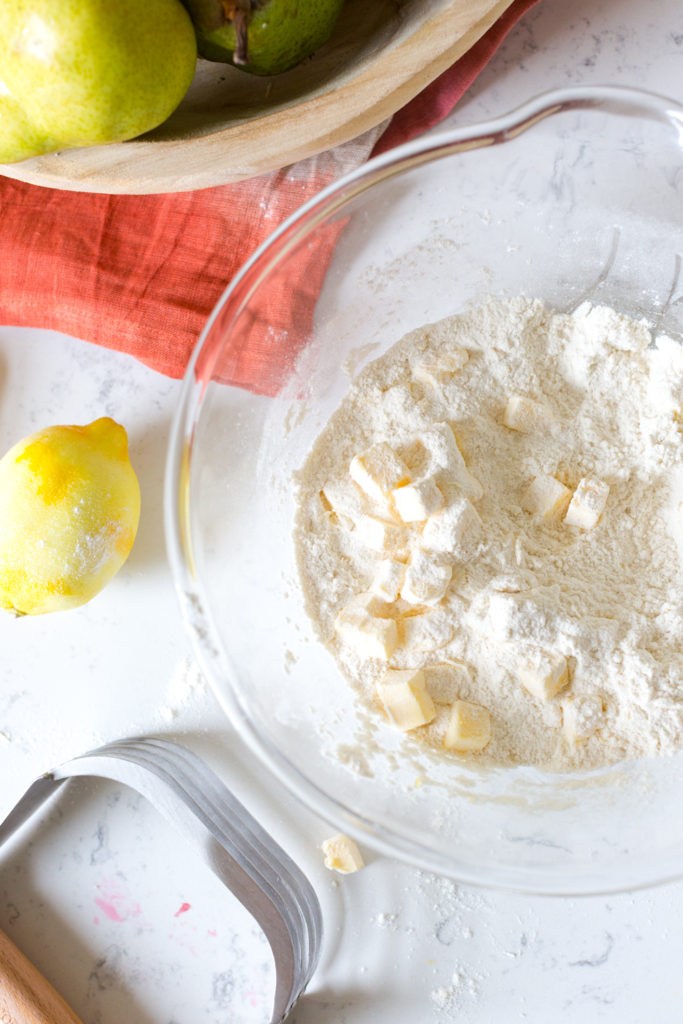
(237, 849)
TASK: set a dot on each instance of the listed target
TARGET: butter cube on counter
(469, 727)
(455, 530)
(525, 415)
(546, 497)
(415, 502)
(378, 470)
(426, 581)
(360, 625)
(587, 504)
(437, 370)
(342, 854)
(388, 579)
(403, 692)
(543, 673)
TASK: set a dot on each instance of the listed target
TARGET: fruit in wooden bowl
(69, 511)
(264, 37)
(85, 72)
(231, 126)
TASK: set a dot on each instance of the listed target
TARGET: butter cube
(417, 501)
(370, 635)
(342, 854)
(587, 504)
(380, 534)
(455, 530)
(546, 497)
(438, 369)
(378, 471)
(426, 581)
(581, 718)
(525, 415)
(388, 579)
(443, 459)
(543, 673)
(405, 698)
(469, 727)
(442, 448)
(344, 498)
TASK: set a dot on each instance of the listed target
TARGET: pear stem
(239, 13)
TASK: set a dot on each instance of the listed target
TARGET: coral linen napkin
(141, 273)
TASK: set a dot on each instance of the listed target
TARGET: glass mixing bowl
(578, 194)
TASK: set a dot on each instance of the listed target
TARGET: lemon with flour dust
(69, 511)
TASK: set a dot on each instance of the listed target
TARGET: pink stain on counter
(115, 902)
(182, 909)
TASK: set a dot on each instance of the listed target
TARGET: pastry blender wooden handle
(26, 997)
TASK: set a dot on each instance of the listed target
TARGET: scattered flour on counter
(185, 685)
(571, 636)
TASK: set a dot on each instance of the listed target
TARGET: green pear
(86, 72)
(265, 37)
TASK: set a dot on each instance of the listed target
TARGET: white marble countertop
(124, 921)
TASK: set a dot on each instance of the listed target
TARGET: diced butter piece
(388, 579)
(426, 580)
(546, 497)
(342, 854)
(381, 535)
(438, 369)
(370, 635)
(441, 444)
(525, 415)
(403, 692)
(345, 498)
(455, 530)
(469, 727)
(439, 455)
(587, 504)
(417, 501)
(504, 616)
(543, 673)
(428, 631)
(581, 718)
(378, 470)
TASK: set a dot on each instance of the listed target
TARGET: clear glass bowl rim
(177, 503)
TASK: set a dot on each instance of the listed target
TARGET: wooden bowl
(232, 125)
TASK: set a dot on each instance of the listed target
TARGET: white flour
(609, 599)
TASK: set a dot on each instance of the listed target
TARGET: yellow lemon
(69, 511)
